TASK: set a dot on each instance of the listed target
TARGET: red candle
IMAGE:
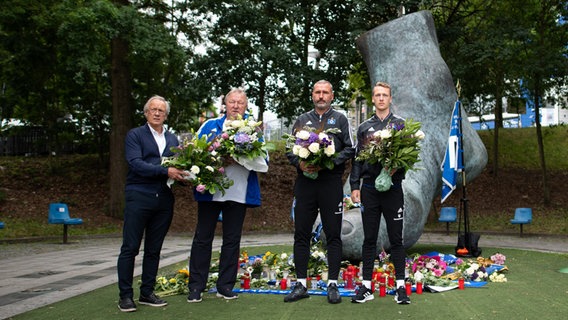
(461, 284)
(418, 287)
(373, 286)
(283, 284)
(391, 282)
(246, 283)
(382, 290)
(408, 287)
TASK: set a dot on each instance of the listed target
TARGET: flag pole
(470, 240)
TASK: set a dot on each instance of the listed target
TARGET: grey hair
(160, 98)
(235, 90)
(324, 82)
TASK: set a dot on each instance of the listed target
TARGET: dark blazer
(145, 172)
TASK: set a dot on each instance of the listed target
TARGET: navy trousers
(148, 216)
(200, 259)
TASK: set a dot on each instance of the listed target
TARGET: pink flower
(225, 135)
(222, 170)
(200, 188)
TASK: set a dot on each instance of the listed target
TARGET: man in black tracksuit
(325, 193)
(374, 203)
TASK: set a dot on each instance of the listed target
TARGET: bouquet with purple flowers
(314, 148)
(242, 140)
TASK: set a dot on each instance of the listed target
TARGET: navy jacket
(145, 172)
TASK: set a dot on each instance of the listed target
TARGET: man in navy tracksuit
(149, 203)
(245, 192)
(323, 194)
(374, 203)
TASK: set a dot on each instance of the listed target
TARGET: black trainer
(226, 293)
(400, 297)
(126, 305)
(152, 300)
(298, 292)
(333, 295)
(194, 296)
(363, 295)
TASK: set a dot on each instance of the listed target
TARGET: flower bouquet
(173, 284)
(316, 149)
(242, 140)
(200, 158)
(395, 147)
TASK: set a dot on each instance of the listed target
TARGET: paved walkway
(33, 275)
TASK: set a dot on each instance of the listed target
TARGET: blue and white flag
(453, 160)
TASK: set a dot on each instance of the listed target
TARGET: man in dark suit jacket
(149, 203)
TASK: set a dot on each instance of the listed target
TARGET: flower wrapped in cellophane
(315, 148)
(395, 147)
(200, 158)
(242, 139)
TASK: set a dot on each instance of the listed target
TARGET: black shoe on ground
(152, 300)
(226, 293)
(363, 295)
(333, 295)
(194, 296)
(126, 305)
(401, 297)
(298, 292)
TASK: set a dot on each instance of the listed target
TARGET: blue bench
(522, 216)
(447, 215)
(59, 214)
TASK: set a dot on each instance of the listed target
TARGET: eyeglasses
(158, 111)
(240, 103)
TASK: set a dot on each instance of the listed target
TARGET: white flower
(314, 147)
(418, 276)
(194, 169)
(210, 168)
(329, 150)
(283, 256)
(420, 135)
(323, 135)
(237, 123)
(385, 133)
(296, 149)
(213, 153)
(303, 134)
(304, 153)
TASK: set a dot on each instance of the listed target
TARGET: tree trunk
(545, 190)
(121, 121)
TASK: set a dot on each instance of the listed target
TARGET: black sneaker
(298, 292)
(363, 295)
(152, 300)
(194, 296)
(226, 293)
(400, 297)
(126, 305)
(333, 295)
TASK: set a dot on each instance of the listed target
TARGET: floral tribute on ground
(242, 139)
(201, 159)
(395, 147)
(274, 273)
(313, 147)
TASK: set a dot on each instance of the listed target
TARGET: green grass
(535, 290)
(518, 148)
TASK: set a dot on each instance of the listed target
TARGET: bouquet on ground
(200, 158)
(395, 147)
(314, 148)
(242, 139)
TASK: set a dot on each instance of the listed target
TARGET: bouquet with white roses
(242, 140)
(395, 147)
(314, 148)
(200, 158)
